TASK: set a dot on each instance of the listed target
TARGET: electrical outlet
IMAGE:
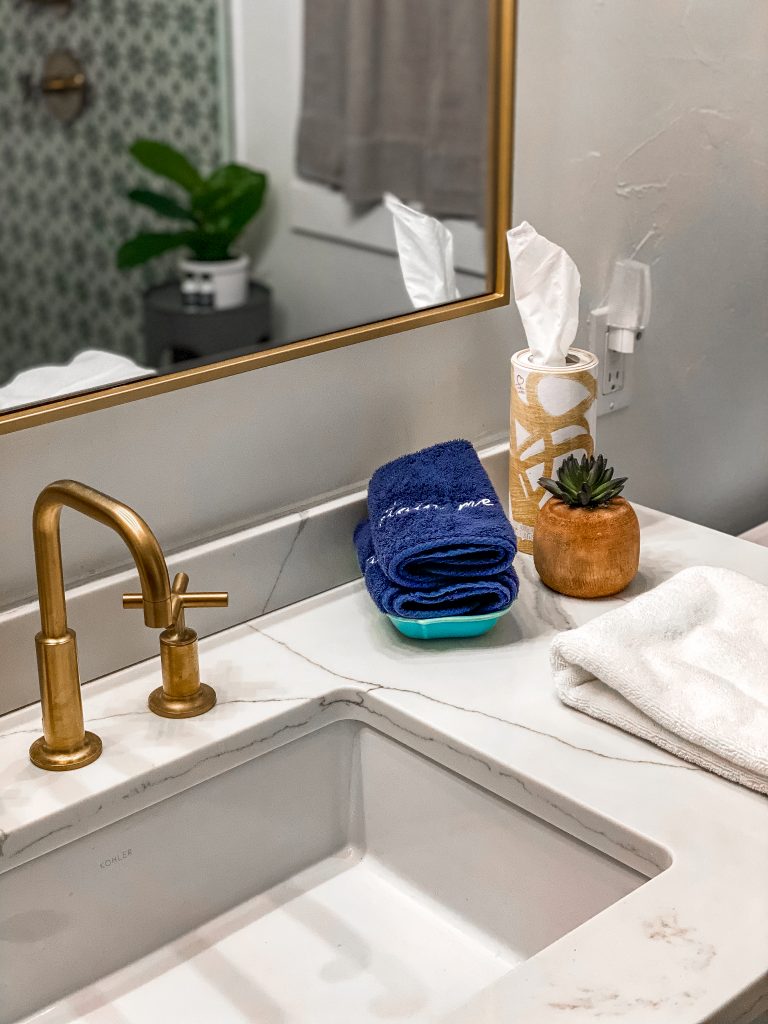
(613, 373)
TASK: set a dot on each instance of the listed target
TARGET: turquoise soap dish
(451, 626)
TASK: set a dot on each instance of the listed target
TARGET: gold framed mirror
(493, 283)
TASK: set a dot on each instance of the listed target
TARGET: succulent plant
(586, 483)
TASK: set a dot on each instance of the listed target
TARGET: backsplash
(153, 71)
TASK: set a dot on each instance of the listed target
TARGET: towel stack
(436, 542)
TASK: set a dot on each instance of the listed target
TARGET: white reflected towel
(684, 666)
(90, 369)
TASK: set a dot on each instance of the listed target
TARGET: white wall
(636, 118)
(643, 130)
(318, 285)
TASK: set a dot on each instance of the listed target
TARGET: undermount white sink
(340, 878)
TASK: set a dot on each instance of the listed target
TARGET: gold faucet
(65, 744)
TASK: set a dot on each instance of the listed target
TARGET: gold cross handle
(182, 694)
(180, 599)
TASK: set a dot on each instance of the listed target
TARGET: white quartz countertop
(689, 945)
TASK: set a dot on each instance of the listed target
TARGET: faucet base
(182, 707)
(41, 755)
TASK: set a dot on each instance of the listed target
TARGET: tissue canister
(553, 413)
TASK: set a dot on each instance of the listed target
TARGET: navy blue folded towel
(459, 597)
(435, 515)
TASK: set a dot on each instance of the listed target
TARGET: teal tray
(451, 626)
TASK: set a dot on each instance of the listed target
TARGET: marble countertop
(689, 945)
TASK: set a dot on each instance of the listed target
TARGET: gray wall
(637, 121)
(643, 130)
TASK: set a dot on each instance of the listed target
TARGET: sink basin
(341, 878)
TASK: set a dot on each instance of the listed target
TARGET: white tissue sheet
(547, 286)
(425, 248)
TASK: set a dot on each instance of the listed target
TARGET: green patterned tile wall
(153, 65)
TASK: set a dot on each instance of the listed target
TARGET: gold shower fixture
(63, 86)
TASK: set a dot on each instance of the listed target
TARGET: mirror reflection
(183, 182)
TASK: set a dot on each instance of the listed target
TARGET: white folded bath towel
(684, 666)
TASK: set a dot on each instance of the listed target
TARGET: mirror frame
(502, 78)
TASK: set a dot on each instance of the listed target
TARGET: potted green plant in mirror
(586, 542)
(211, 213)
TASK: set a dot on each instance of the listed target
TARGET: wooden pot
(587, 552)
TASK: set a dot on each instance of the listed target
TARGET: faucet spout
(139, 539)
(65, 744)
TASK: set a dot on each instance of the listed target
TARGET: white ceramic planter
(227, 279)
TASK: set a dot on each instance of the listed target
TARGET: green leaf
(608, 490)
(241, 212)
(596, 471)
(574, 466)
(569, 483)
(601, 487)
(570, 494)
(566, 474)
(230, 199)
(231, 216)
(162, 159)
(212, 247)
(600, 497)
(551, 486)
(148, 245)
(236, 178)
(164, 205)
(614, 487)
(225, 185)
